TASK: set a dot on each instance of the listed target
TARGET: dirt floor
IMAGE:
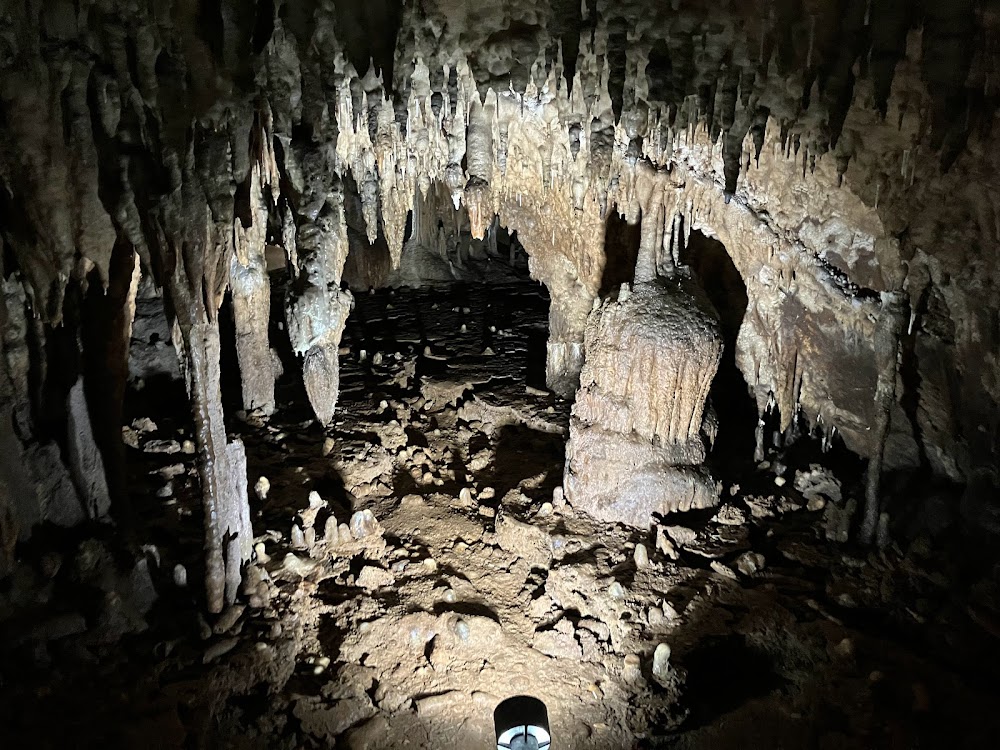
(417, 564)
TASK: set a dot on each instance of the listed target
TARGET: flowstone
(636, 444)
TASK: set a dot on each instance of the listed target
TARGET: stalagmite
(887, 334)
(635, 444)
(222, 466)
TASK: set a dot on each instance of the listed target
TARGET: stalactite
(251, 290)
(887, 340)
(316, 311)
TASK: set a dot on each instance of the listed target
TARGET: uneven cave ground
(476, 580)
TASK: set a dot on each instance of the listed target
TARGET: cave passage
(730, 397)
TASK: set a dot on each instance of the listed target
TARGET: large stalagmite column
(223, 469)
(196, 245)
(636, 444)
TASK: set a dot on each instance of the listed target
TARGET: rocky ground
(416, 563)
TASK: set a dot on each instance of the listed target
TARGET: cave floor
(475, 583)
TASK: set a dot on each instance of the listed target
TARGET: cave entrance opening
(730, 396)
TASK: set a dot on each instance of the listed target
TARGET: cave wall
(840, 150)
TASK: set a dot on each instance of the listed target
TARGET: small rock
(779, 481)
(315, 501)
(221, 648)
(166, 490)
(545, 510)
(180, 576)
(309, 536)
(170, 471)
(681, 535)
(162, 446)
(297, 566)
(730, 515)
(462, 629)
(298, 539)
(655, 617)
(664, 545)
(144, 424)
(130, 437)
(750, 563)
(818, 483)
(641, 556)
(816, 503)
(328, 446)
(344, 534)
(616, 591)
(632, 671)
(262, 487)
(465, 495)
(844, 649)
(723, 570)
(661, 662)
(364, 524)
(188, 447)
(262, 557)
(430, 564)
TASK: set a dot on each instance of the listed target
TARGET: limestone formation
(636, 443)
(164, 167)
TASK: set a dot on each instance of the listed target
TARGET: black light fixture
(522, 723)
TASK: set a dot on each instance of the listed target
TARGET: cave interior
(376, 373)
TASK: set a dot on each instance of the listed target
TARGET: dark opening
(730, 396)
(621, 249)
(368, 30)
(230, 381)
